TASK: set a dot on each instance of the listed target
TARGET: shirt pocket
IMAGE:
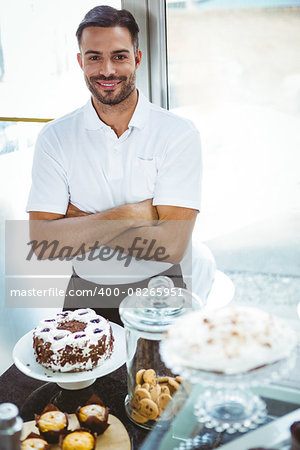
(143, 178)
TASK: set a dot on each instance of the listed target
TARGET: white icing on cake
(229, 340)
(97, 328)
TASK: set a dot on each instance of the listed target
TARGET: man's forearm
(164, 242)
(81, 233)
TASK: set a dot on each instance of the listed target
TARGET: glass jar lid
(154, 308)
(8, 415)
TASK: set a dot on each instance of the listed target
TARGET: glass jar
(146, 316)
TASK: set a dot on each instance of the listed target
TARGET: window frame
(152, 76)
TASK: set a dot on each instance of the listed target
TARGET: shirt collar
(91, 118)
(138, 119)
(141, 112)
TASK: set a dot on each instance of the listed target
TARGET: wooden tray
(114, 438)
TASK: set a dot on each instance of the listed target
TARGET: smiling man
(116, 184)
(109, 60)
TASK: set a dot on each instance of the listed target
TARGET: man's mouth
(108, 84)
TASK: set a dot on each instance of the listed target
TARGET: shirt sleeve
(49, 190)
(179, 177)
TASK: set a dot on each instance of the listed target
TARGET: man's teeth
(108, 84)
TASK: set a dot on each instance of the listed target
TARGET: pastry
(81, 439)
(94, 415)
(295, 433)
(34, 442)
(51, 423)
(229, 340)
(73, 341)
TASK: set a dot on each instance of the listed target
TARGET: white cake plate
(25, 361)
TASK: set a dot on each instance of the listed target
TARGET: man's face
(109, 63)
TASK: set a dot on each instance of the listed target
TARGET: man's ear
(138, 58)
(79, 59)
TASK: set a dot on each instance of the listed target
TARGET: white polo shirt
(78, 158)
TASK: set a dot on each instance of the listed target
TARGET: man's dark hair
(106, 16)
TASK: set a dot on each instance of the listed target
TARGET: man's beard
(109, 98)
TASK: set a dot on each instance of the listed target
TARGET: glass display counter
(180, 429)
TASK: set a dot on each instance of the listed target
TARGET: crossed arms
(168, 227)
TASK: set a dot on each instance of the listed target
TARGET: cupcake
(51, 423)
(295, 432)
(93, 415)
(34, 442)
(81, 439)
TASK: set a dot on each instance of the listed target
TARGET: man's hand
(144, 210)
(73, 211)
(168, 237)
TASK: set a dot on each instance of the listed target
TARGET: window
(234, 69)
(39, 80)
(39, 73)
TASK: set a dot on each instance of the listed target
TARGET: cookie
(164, 389)
(149, 376)
(139, 376)
(155, 392)
(178, 379)
(163, 379)
(173, 385)
(139, 394)
(146, 386)
(163, 400)
(148, 408)
(137, 417)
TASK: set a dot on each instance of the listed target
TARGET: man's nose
(107, 68)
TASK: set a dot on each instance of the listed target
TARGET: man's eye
(120, 57)
(94, 58)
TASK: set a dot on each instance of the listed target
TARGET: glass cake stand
(227, 402)
(25, 361)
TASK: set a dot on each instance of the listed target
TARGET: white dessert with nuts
(230, 340)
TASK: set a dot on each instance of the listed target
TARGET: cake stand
(25, 361)
(227, 402)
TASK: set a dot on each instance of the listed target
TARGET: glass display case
(180, 428)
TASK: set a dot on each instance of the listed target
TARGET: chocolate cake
(73, 341)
